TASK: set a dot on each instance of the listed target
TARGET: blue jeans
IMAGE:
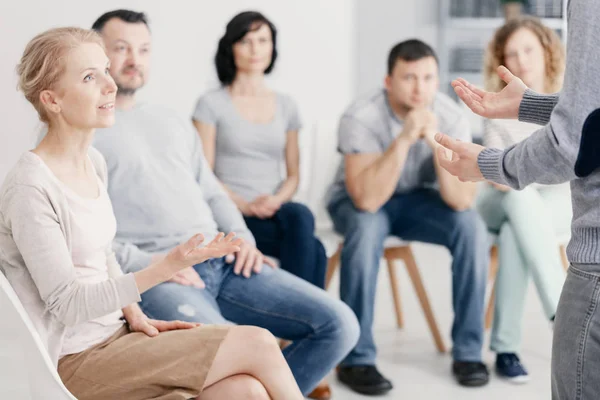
(323, 329)
(290, 236)
(417, 216)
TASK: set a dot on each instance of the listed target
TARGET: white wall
(316, 46)
(383, 23)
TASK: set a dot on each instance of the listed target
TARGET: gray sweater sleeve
(41, 242)
(225, 212)
(548, 156)
(537, 108)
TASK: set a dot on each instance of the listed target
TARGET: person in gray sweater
(565, 149)
(162, 187)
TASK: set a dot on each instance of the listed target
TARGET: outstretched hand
(462, 160)
(502, 105)
(189, 253)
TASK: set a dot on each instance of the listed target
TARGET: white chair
(324, 161)
(26, 371)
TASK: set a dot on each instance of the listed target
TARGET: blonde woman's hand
(139, 322)
(189, 253)
(152, 327)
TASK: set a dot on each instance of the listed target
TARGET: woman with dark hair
(249, 132)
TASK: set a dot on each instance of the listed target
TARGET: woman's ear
(48, 99)
(588, 159)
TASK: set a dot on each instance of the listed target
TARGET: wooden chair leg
(563, 257)
(489, 314)
(395, 291)
(415, 276)
(332, 265)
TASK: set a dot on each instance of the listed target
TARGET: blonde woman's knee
(254, 336)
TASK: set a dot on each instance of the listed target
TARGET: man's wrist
(404, 140)
(429, 138)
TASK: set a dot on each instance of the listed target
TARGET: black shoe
(470, 373)
(364, 379)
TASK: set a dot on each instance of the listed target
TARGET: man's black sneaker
(471, 374)
(364, 379)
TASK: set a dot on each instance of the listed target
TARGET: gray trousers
(576, 342)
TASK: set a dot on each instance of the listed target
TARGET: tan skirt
(131, 366)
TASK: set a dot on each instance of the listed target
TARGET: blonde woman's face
(85, 93)
(524, 57)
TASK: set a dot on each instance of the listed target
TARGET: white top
(504, 133)
(93, 226)
(35, 255)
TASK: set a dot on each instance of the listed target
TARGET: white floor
(408, 356)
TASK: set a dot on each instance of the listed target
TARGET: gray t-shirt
(249, 157)
(369, 126)
(162, 189)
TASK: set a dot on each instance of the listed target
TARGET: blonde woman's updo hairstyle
(43, 61)
(554, 53)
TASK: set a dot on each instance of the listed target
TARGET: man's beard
(404, 108)
(128, 90)
(125, 91)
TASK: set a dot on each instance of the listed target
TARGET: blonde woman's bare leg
(254, 351)
(236, 387)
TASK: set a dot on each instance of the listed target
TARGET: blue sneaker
(509, 367)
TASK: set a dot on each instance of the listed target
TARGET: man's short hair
(409, 50)
(133, 17)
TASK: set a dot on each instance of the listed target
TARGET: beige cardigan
(35, 254)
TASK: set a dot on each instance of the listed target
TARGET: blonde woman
(56, 230)
(527, 222)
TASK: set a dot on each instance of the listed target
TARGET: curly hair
(236, 29)
(554, 53)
